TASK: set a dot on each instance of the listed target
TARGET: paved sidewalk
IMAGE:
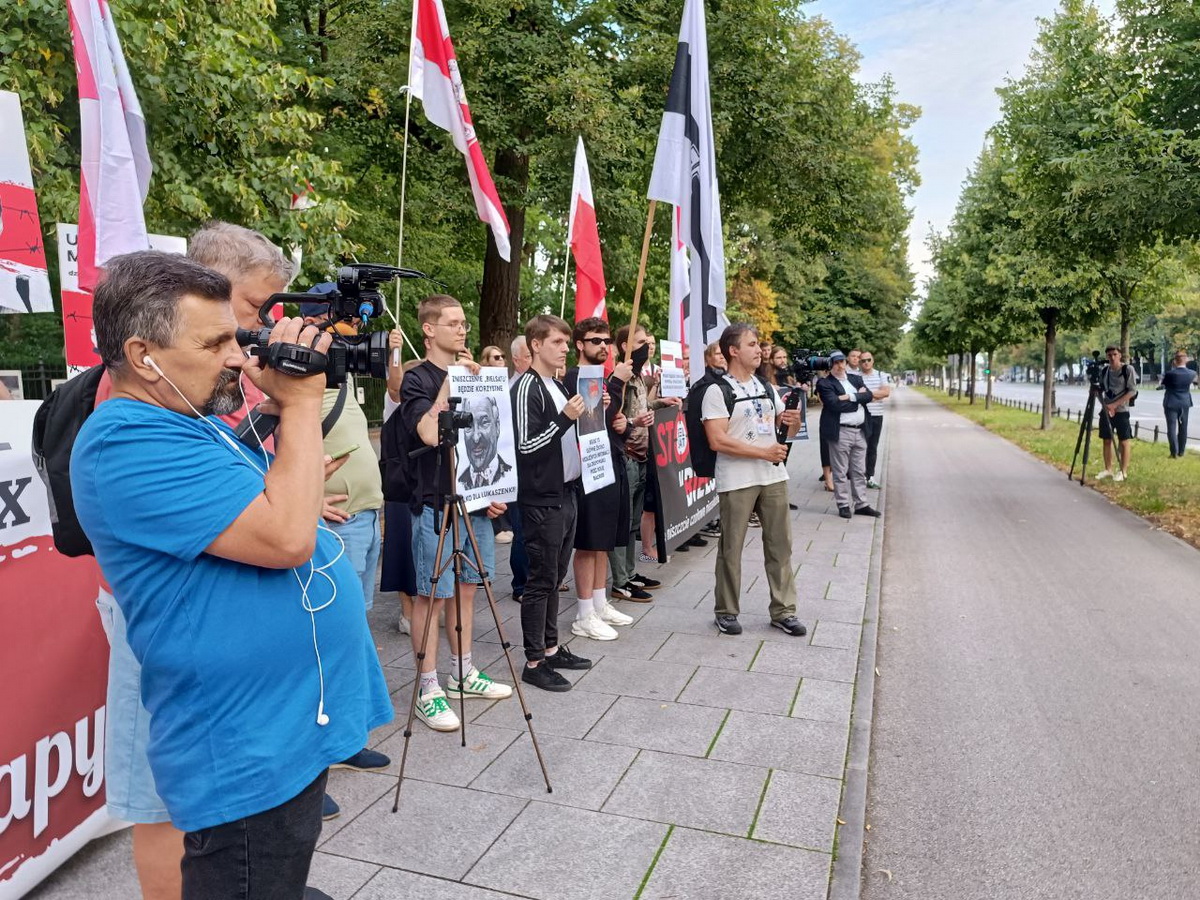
(684, 764)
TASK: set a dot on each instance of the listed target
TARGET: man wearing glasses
(873, 379)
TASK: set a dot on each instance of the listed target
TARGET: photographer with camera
(1117, 386)
(424, 397)
(257, 667)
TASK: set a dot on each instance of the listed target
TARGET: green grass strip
(717, 736)
(754, 658)
(761, 800)
(654, 862)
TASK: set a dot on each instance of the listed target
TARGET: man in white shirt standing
(873, 379)
(740, 414)
(844, 425)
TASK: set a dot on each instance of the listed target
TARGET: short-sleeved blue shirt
(229, 668)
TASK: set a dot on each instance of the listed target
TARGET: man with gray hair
(255, 679)
(521, 358)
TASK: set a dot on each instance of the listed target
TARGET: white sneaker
(590, 626)
(478, 684)
(404, 626)
(1100, 476)
(434, 710)
(609, 614)
(1118, 475)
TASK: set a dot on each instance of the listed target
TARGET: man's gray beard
(226, 397)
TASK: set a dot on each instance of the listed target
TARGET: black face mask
(639, 358)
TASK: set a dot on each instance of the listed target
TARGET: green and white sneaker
(478, 684)
(434, 710)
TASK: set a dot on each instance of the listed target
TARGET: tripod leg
(430, 624)
(1087, 440)
(1079, 439)
(516, 677)
(452, 519)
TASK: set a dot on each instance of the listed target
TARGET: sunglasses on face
(598, 341)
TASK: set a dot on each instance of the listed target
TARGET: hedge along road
(1037, 712)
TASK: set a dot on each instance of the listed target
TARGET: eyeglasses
(464, 327)
(598, 341)
(866, 359)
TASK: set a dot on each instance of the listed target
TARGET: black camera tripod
(1085, 432)
(453, 514)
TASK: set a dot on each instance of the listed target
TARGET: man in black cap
(845, 426)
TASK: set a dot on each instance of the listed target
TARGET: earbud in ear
(149, 361)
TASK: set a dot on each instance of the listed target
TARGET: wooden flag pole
(562, 306)
(637, 294)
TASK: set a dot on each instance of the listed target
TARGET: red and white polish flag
(115, 170)
(583, 237)
(434, 79)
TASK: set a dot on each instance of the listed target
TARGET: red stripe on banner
(84, 67)
(89, 273)
(590, 288)
(22, 230)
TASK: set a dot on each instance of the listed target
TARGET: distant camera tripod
(1085, 434)
(453, 515)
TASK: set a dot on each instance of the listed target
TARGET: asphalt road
(1037, 710)
(1148, 410)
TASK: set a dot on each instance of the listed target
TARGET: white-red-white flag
(434, 79)
(681, 286)
(583, 237)
(115, 166)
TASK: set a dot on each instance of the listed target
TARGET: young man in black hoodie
(548, 471)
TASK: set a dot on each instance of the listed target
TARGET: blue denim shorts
(425, 538)
(128, 782)
(360, 537)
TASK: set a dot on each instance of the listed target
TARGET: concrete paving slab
(582, 773)
(353, 792)
(825, 701)
(810, 662)
(552, 713)
(799, 810)
(702, 866)
(714, 650)
(440, 756)
(646, 678)
(683, 790)
(730, 689)
(418, 836)
(654, 725)
(798, 745)
(557, 853)
(840, 635)
(339, 877)
(392, 884)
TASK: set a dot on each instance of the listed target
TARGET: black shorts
(650, 494)
(1120, 422)
(603, 522)
(398, 571)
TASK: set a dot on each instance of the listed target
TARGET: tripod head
(450, 422)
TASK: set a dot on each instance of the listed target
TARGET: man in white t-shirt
(873, 379)
(740, 415)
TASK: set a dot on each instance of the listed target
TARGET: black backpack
(704, 458)
(55, 428)
(397, 470)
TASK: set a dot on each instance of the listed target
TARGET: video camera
(1095, 369)
(356, 295)
(805, 363)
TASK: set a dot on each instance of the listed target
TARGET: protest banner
(672, 378)
(54, 665)
(486, 447)
(594, 449)
(686, 502)
(24, 284)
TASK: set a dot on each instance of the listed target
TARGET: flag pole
(397, 354)
(637, 294)
(562, 306)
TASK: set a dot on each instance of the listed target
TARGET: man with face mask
(638, 410)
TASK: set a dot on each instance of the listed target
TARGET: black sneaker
(867, 511)
(565, 659)
(712, 529)
(729, 625)
(329, 808)
(635, 593)
(365, 761)
(697, 541)
(646, 584)
(844, 512)
(790, 625)
(544, 677)
(793, 506)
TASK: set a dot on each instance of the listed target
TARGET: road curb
(846, 880)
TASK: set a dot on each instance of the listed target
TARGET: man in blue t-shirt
(258, 670)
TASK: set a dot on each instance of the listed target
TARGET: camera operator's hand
(290, 390)
(495, 510)
(775, 453)
(790, 417)
(623, 371)
(574, 408)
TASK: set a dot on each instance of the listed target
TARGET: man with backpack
(1118, 386)
(740, 414)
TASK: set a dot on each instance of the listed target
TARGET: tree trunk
(1050, 317)
(971, 389)
(499, 302)
(987, 398)
(1126, 304)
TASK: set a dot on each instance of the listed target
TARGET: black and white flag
(685, 174)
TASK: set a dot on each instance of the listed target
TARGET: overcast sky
(947, 57)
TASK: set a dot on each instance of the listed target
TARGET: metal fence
(1067, 413)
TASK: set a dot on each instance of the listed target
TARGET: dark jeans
(1177, 433)
(873, 443)
(549, 538)
(518, 559)
(261, 857)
